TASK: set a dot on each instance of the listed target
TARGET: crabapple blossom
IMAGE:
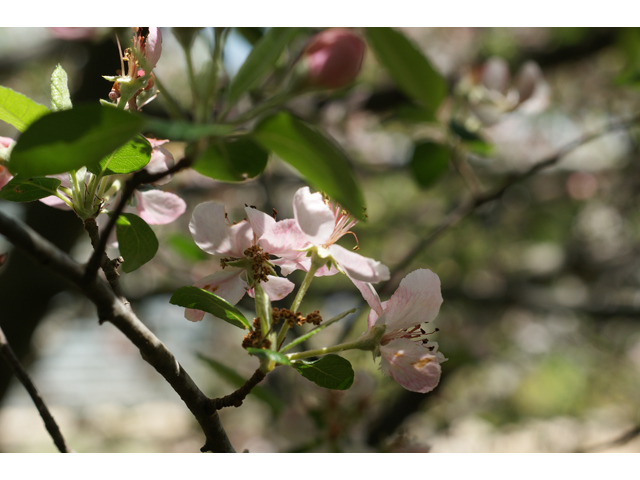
(491, 92)
(231, 244)
(323, 225)
(407, 356)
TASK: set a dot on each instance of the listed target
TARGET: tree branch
(110, 308)
(50, 424)
(469, 206)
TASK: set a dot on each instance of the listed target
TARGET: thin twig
(109, 267)
(236, 398)
(469, 206)
(50, 424)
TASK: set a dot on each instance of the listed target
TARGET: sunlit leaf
(330, 371)
(408, 67)
(232, 161)
(200, 299)
(70, 139)
(18, 110)
(22, 190)
(136, 241)
(322, 163)
(60, 96)
(131, 157)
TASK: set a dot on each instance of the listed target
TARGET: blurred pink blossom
(333, 58)
(74, 33)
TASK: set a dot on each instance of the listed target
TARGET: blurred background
(540, 320)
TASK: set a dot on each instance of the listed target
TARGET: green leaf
(429, 162)
(60, 97)
(317, 157)
(178, 130)
(70, 139)
(330, 371)
(276, 357)
(408, 67)
(137, 242)
(200, 299)
(232, 161)
(21, 190)
(264, 55)
(131, 157)
(18, 110)
(263, 394)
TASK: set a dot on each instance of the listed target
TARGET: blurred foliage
(541, 287)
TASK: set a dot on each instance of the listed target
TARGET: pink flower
(5, 176)
(333, 58)
(407, 356)
(323, 225)
(213, 233)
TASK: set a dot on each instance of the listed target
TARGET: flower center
(416, 333)
(344, 222)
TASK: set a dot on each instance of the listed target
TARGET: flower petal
(314, 217)
(371, 297)
(284, 239)
(159, 208)
(211, 233)
(410, 364)
(225, 283)
(55, 202)
(417, 300)
(161, 160)
(258, 220)
(358, 267)
(277, 287)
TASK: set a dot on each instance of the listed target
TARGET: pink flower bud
(333, 58)
(153, 46)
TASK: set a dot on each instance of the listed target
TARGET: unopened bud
(333, 58)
